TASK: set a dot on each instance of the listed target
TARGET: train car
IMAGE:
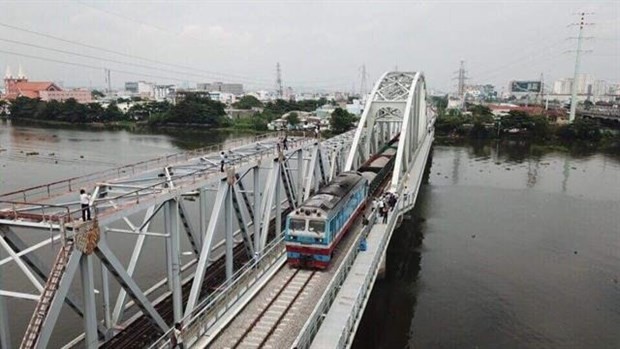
(315, 228)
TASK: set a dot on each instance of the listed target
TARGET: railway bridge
(196, 239)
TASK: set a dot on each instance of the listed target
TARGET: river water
(506, 248)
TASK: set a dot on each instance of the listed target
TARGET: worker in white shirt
(85, 202)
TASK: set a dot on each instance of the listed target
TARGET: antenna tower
(573, 98)
(279, 89)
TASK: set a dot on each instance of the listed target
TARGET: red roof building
(45, 90)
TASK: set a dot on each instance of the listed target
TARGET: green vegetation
(193, 109)
(521, 125)
(97, 94)
(247, 102)
(293, 119)
(66, 111)
(341, 121)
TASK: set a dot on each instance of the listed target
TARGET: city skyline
(320, 46)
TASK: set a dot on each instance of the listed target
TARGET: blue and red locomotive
(315, 228)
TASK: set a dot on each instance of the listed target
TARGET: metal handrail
(136, 193)
(311, 327)
(195, 324)
(73, 183)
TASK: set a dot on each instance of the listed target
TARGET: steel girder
(254, 196)
(395, 106)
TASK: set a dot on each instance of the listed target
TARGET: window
(297, 224)
(316, 226)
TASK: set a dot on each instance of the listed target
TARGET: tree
(480, 110)
(97, 94)
(293, 119)
(247, 102)
(341, 120)
(4, 107)
(112, 113)
(24, 108)
(196, 109)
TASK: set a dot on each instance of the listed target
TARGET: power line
(215, 75)
(90, 66)
(107, 59)
(102, 49)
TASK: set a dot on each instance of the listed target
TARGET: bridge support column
(228, 212)
(256, 210)
(171, 221)
(105, 288)
(90, 308)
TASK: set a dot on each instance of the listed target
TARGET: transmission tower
(363, 83)
(573, 99)
(108, 79)
(279, 89)
(461, 77)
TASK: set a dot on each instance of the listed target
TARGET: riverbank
(132, 126)
(520, 127)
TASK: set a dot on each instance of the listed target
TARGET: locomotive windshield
(297, 224)
(316, 226)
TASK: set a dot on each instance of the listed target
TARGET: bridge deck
(294, 320)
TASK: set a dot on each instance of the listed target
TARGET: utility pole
(573, 99)
(279, 89)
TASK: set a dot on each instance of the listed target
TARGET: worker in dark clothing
(222, 161)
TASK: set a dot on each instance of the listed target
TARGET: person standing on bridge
(222, 161)
(85, 203)
(177, 337)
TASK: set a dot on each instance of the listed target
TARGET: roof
(37, 86)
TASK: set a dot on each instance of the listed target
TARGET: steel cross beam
(384, 114)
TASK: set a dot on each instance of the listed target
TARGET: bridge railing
(212, 308)
(52, 189)
(310, 329)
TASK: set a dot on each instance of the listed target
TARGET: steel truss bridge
(178, 240)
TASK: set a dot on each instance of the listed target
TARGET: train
(315, 228)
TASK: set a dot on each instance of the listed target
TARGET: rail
(311, 327)
(59, 187)
(212, 308)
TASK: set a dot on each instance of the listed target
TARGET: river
(507, 248)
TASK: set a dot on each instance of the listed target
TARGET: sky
(320, 45)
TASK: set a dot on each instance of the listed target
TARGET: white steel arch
(396, 106)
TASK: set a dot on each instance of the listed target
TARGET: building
(562, 86)
(141, 88)
(235, 89)
(19, 86)
(164, 92)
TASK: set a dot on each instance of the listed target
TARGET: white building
(355, 108)
(562, 86)
(141, 88)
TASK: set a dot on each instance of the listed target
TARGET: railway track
(142, 332)
(265, 327)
